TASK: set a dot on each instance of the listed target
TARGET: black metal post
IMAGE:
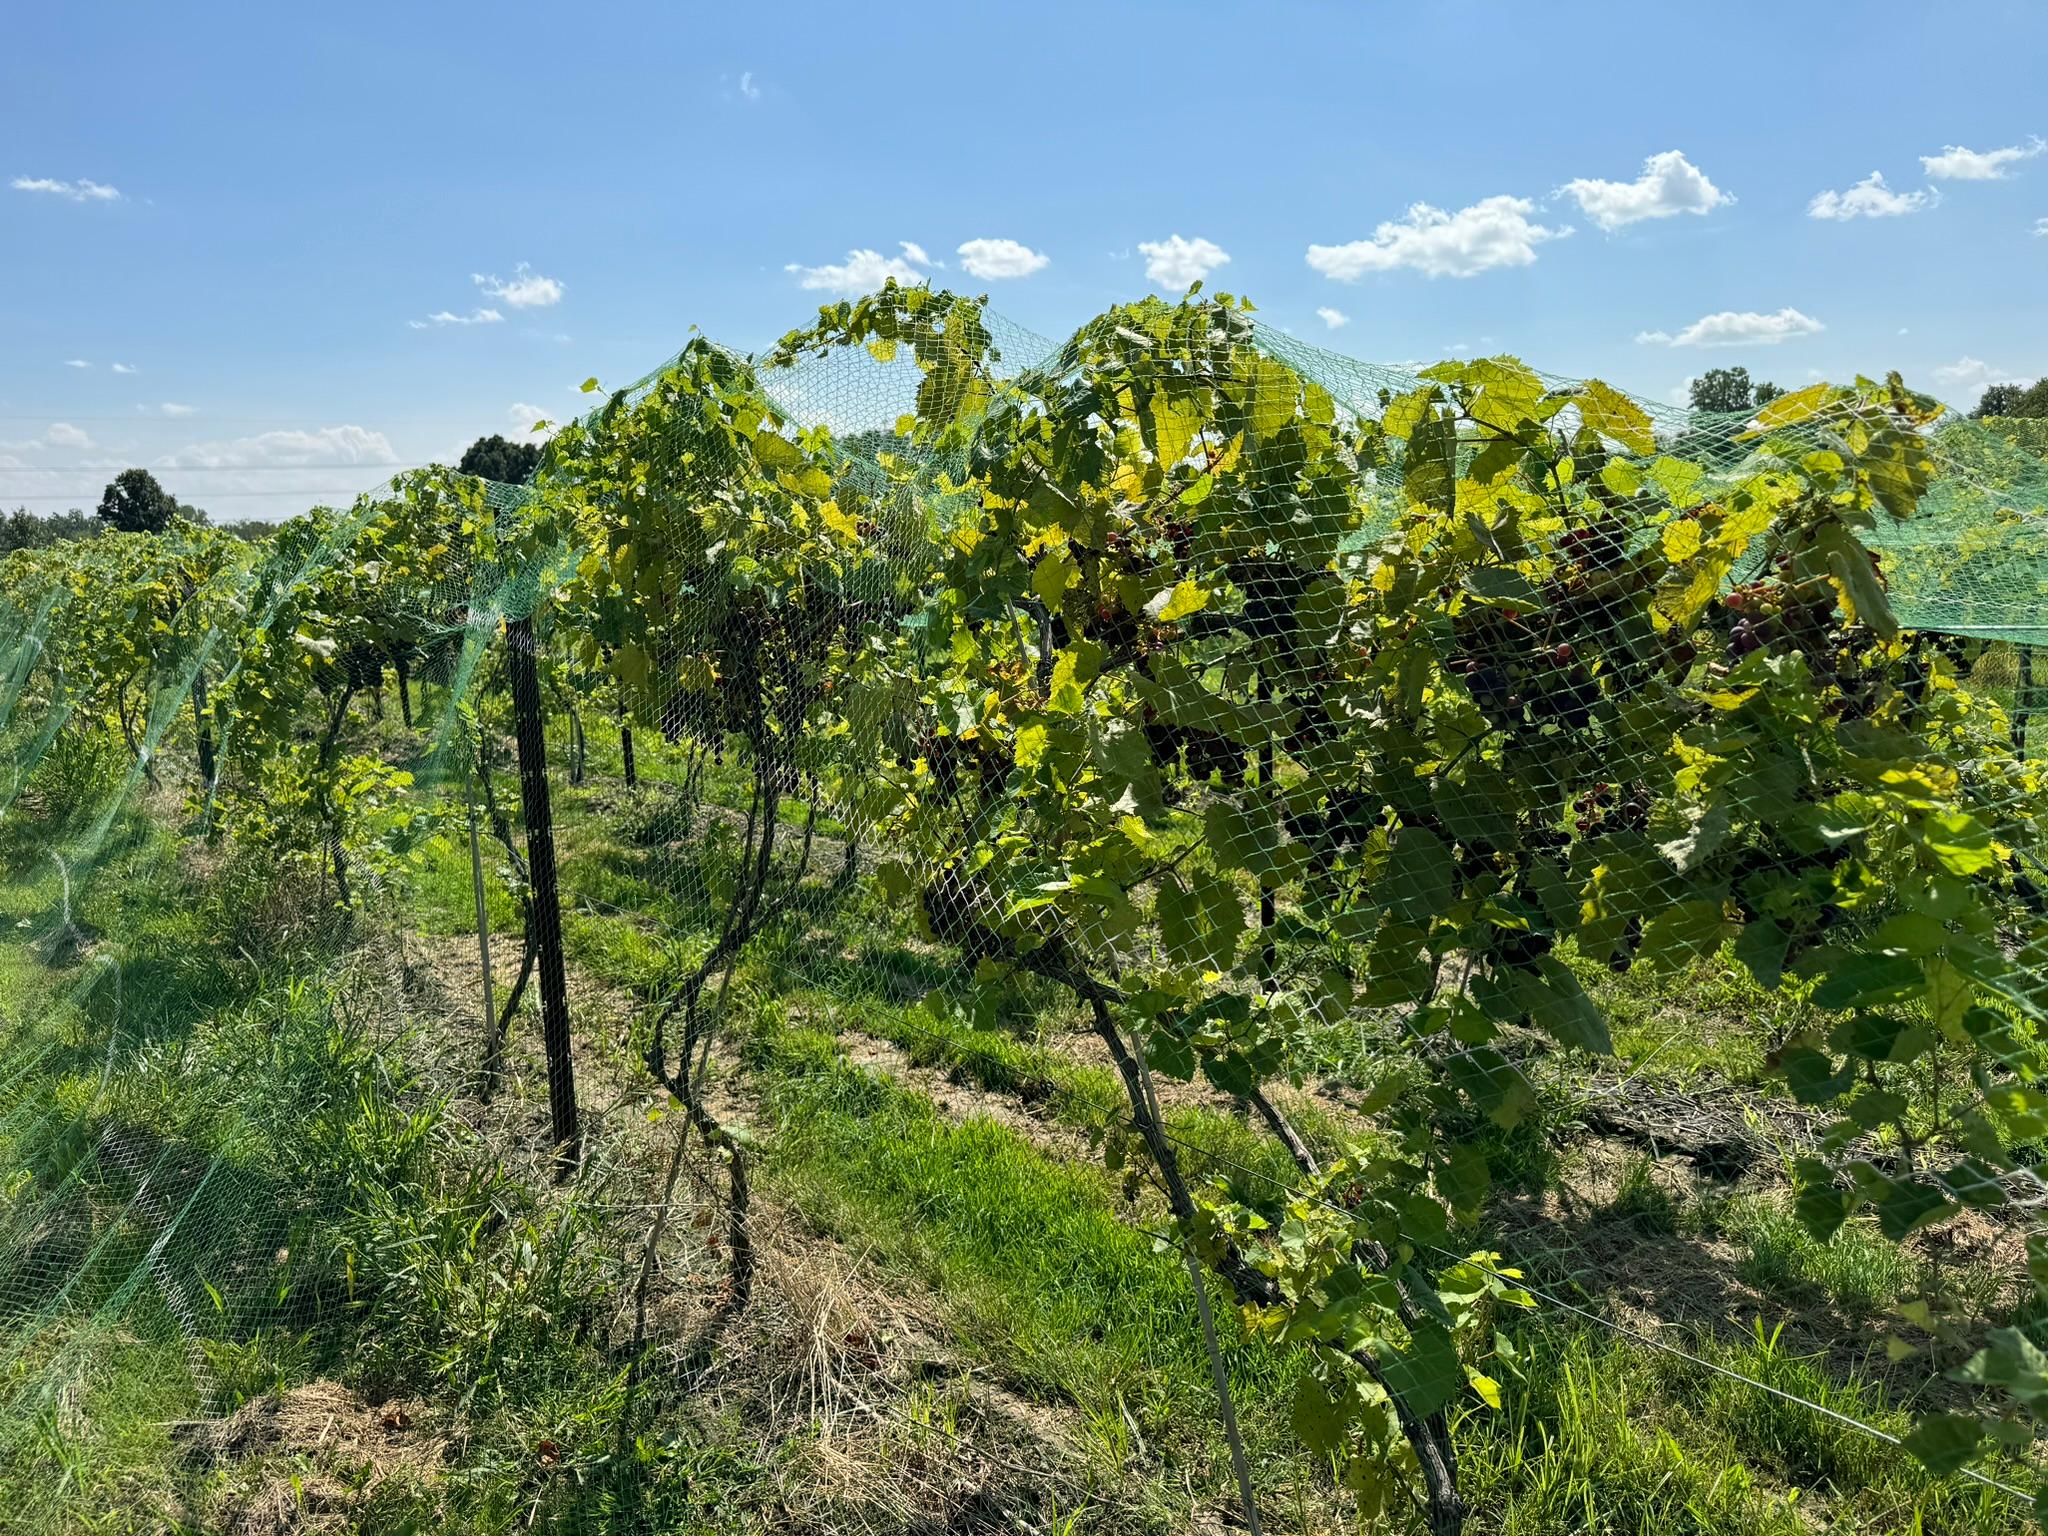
(530, 737)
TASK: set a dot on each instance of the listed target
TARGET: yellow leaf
(1177, 602)
(1681, 541)
(1790, 410)
(842, 526)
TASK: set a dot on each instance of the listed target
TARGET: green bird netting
(1159, 922)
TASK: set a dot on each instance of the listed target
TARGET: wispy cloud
(1178, 263)
(1669, 184)
(1973, 375)
(1733, 328)
(1493, 232)
(76, 362)
(1956, 163)
(126, 368)
(449, 317)
(527, 289)
(1335, 319)
(863, 270)
(327, 445)
(64, 435)
(748, 88)
(172, 408)
(998, 259)
(81, 191)
(1870, 198)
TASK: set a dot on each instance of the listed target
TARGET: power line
(351, 491)
(202, 469)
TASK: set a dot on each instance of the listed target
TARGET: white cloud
(172, 408)
(1670, 184)
(1870, 198)
(1493, 232)
(997, 259)
(1972, 375)
(2041, 228)
(1731, 328)
(747, 87)
(526, 419)
(76, 362)
(80, 191)
(1956, 163)
(447, 317)
(64, 435)
(126, 368)
(527, 290)
(1179, 263)
(328, 445)
(863, 271)
(9, 461)
(1335, 319)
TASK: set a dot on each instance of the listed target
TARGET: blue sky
(276, 240)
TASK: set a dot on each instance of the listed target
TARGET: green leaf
(1250, 838)
(1942, 1442)
(1417, 878)
(1431, 470)
(2009, 1359)
(1855, 578)
(1397, 969)
(1907, 1205)
(1869, 981)
(1478, 805)
(1462, 1178)
(1492, 1082)
(1812, 1076)
(1683, 932)
(1559, 1006)
(1428, 1373)
(1318, 1419)
(1200, 924)
(1960, 841)
(1169, 1052)
(1819, 1205)
(1761, 946)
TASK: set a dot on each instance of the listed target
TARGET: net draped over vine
(1217, 701)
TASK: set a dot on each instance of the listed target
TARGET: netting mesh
(1470, 850)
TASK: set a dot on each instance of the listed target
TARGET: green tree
(2000, 400)
(23, 529)
(496, 458)
(134, 502)
(1722, 390)
(1727, 390)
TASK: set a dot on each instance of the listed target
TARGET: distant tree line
(2028, 400)
(136, 502)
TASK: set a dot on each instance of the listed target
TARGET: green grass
(344, 1225)
(1857, 1270)
(1602, 1435)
